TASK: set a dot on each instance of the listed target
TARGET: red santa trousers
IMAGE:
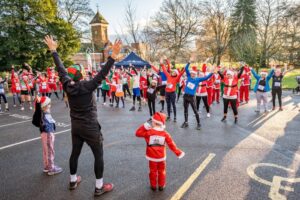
(244, 92)
(216, 95)
(209, 95)
(157, 173)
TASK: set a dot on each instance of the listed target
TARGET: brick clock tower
(99, 28)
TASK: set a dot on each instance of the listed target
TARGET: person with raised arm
(190, 92)
(83, 111)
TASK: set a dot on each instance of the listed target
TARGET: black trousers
(233, 105)
(179, 92)
(171, 99)
(126, 89)
(4, 98)
(204, 99)
(187, 100)
(278, 92)
(104, 93)
(94, 140)
(151, 105)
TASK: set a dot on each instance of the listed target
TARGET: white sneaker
(15, 105)
(208, 115)
(22, 108)
(104, 104)
(30, 107)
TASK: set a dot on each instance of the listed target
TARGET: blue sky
(113, 11)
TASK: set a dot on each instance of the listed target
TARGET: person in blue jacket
(262, 88)
(189, 94)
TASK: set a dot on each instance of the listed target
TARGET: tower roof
(98, 19)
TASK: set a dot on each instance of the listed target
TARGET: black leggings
(278, 92)
(171, 98)
(118, 100)
(138, 98)
(189, 99)
(4, 98)
(233, 106)
(113, 97)
(179, 92)
(49, 95)
(104, 93)
(126, 89)
(151, 105)
(97, 149)
(204, 99)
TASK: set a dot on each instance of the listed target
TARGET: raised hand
(49, 41)
(116, 49)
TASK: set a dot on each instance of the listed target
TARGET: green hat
(75, 72)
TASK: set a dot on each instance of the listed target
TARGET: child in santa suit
(216, 88)
(156, 139)
(245, 84)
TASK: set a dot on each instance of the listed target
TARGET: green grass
(289, 80)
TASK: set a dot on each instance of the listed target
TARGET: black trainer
(161, 188)
(198, 126)
(73, 185)
(223, 119)
(132, 109)
(184, 125)
(175, 120)
(168, 118)
(236, 120)
(107, 187)
(153, 188)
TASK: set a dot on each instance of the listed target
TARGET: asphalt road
(259, 158)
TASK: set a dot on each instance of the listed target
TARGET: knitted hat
(75, 72)
(45, 101)
(159, 118)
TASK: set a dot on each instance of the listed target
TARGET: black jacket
(83, 107)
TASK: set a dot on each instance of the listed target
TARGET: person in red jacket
(216, 88)
(15, 86)
(210, 83)
(52, 82)
(245, 84)
(230, 95)
(172, 80)
(156, 139)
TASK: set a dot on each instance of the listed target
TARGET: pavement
(256, 159)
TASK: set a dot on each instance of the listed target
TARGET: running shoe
(73, 185)
(107, 187)
(132, 109)
(161, 188)
(198, 126)
(184, 125)
(208, 115)
(55, 170)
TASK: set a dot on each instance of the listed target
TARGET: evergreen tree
(24, 23)
(243, 45)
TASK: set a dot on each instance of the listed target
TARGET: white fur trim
(47, 101)
(162, 128)
(181, 155)
(263, 73)
(156, 159)
(193, 72)
(229, 72)
(147, 126)
(158, 122)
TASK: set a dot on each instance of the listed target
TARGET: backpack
(37, 115)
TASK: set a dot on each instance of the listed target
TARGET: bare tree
(214, 35)
(131, 23)
(173, 27)
(76, 12)
(271, 20)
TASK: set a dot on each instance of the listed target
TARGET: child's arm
(171, 144)
(142, 130)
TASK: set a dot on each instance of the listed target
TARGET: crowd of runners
(160, 87)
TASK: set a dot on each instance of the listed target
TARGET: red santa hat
(159, 118)
(194, 70)
(45, 101)
(175, 71)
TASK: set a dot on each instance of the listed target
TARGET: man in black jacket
(83, 111)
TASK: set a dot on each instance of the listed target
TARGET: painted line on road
(187, 184)
(30, 140)
(15, 123)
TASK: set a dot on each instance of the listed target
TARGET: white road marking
(30, 140)
(187, 184)
(14, 123)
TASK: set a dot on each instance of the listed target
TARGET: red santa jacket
(171, 81)
(51, 77)
(15, 83)
(230, 87)
(245, 79)
(217, 82)
(143, 82)
(156, 140)
(202, 89)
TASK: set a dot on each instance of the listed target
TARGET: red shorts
(52, 86)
